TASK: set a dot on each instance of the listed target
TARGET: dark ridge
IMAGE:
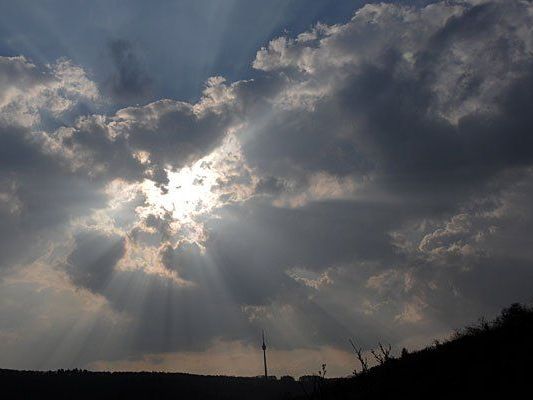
(488, 360)
(82, 384)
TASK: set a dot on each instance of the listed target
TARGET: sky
(179, 176)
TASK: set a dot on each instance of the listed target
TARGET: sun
(189, 191)
(198, 189)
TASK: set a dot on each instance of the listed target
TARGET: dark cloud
(130, 81)
(388, 120)
(93, 144)
(169, 134)
(95, 255)
(270, 185)
(38, 196)
(179, 134)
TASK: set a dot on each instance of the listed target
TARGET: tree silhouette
(363, 360)
(382, 353)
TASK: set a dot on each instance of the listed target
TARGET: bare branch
(359, 354)
(382, 354)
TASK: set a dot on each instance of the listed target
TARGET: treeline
(83, 384)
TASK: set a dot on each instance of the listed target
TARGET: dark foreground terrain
(486, 361)
(490, 360)
(140, 385)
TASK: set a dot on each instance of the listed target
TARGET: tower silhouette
(265, 355)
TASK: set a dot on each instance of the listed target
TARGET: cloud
(18, 75)
(93, 259)
(38, 197)
(33, 95)
(130, 80)
(145, 141)
(386, 102)
(40, 192)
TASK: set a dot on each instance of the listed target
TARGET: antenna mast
(264, 355)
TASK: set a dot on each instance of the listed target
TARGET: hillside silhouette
(488, 360)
